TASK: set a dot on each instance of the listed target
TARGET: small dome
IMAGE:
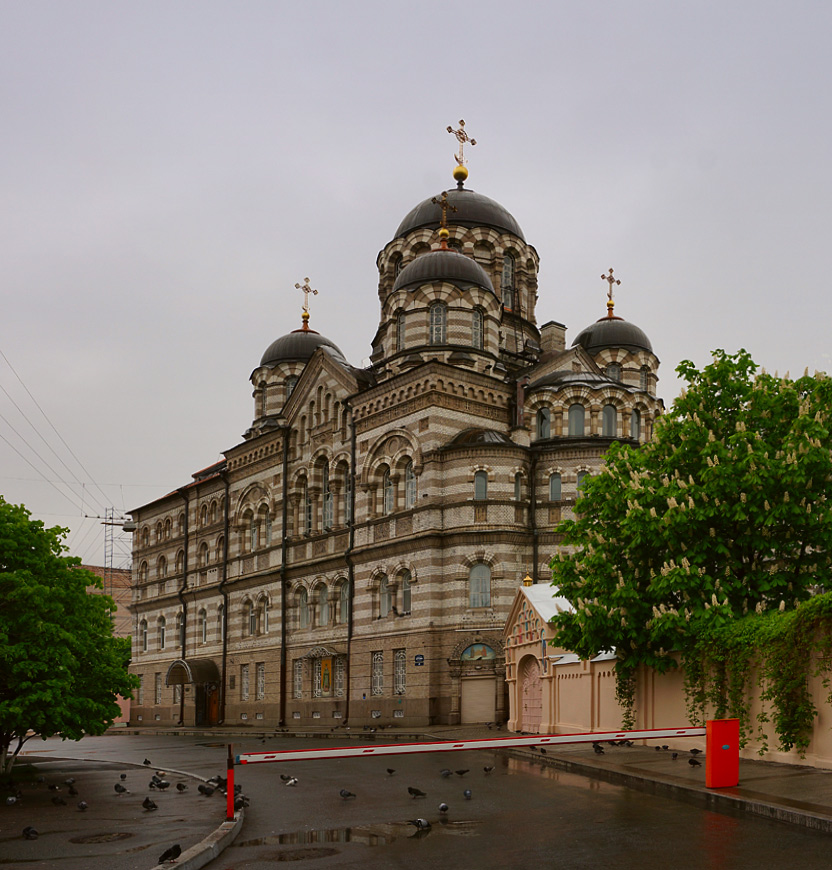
(443, 265)
(612, 332)
(298, 346)
(473, 437)
(472, 210)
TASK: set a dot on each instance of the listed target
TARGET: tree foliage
(60, 666)
(724, 512)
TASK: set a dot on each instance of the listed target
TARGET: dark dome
(298, 346)
(612, 332)
(472, 210)
(472, 437)
(447, 265)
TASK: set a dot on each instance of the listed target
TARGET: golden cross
(443, 203)
(306, 290)
(462, 137)
(610, 280)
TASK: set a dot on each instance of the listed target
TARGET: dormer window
(614, 372)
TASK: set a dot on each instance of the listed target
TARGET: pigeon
(29, 833)
(390, 771)
(149, 805)
(293, 780)
(54, 787)
(415, 792)
(657, 748)
(665, 747)
(41, 779)
(122, 776)
(73, 792)
(488, 768)
(181, 786)
(159, 774)
(83, 805)
(162, 784)
(171, 854)
(542, 751)
(599, 750)
(241, 801)
(147, 762)
(346, 794)
(420, 824)
(11, 801)
(461, 772)
(467, 794)
(694, 762)
(285, 777)
(207, 790)
(674, 756)
(152, 784)
(445, 772)
(695, 751)
(70, 781)
(120, 789)
(58, 801)
(443, 807)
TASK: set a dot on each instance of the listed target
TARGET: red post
(229, 794)
(722, 753)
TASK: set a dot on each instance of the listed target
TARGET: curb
(211, 847)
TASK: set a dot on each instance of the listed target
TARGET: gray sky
(170, 170)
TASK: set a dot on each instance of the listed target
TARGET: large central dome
(472, 210)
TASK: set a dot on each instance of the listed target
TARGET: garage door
(477, 700)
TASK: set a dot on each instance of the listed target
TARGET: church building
(355, 557)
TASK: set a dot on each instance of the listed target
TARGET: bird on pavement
(147, 761)
(70, 781)
(346, 794)
(285, 777)
(120, 789)
(461, 772)
(488, 768)
(420, 824)
(58, 801)
(674, 756)
(293, 780)
(181, 786)
(390, 771)
(207, 790)
(149, 805)
(162, 784)
(73, 792)
(598, 749)
(416, 792)
(694, 762)
(695, 751)
(467, 794)
(445, 773)
(171, 854)
(11, 800)
(122, 776)
(83, 805)
(443, 807)
(29, 833)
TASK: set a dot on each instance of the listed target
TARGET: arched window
(400, 327)
(264, 625)
(409, 486)
(438, 319)
(162, 567)
(477, 328)
(609, 421)
(327, 496)
(213, 512)
(347, 487)
(323, 607)
(203, 555)
(479, 586)
(180, 629)
(143, 635)
(643, 378)
(163, 623)
(167, 529)
(146, 537)
(203, 515)
(344, 603)
(518, 486)
(203, 626)
(635, 424)
(544, 419)
(289, 385)
(253, 541)
(181, 524)
(507, 281)
(555, 491)
(387, 493)
(614, 372)
(262, 398)
(481, 485)
(406, 595)
(384, 602)
(143, 571)
(158, 532)
(576, 420)
(221, 622)
(180, 562)
(303, 609)
(267, 527)
(251, 618)
(582, 476)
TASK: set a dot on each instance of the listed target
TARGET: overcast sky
(170, 170)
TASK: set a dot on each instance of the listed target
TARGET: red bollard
(229, 794)
(722, 753)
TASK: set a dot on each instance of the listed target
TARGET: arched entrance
(204, 676)
(531, 695)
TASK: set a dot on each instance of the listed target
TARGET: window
(438, 317)
(409, 486)
(507, 282)
(544, 417)
(344, 602)
(180, 630)
(264, 627)
(244, 682)
(387, 493)
(327, 493)
(180, 562)
(555, 492)
(221, 622)
(303, 609)
(252, 534)
(213, 512)
(307, 511)
(576, 420)
(267, 525)
(384, 598)
(347, 494)
(480, 485)
(609, 421)
(177, 694)
(635, 424)
(582, 475)
(162, 630)
(251, 618)
(323, 606)
(143, 635)
(479, 586)
(399, 671)
(202, 558)
(340, 673)
(316, 678)
(181, 524)
(643, 378)
(203, 626)
(203, 515)
(157, 689)
(377, 673)
(162, 567)
(518, 486)
(261, 681)
(140, 692)
(400, 325)
(143, 572)
(477, 328)
(289, 385)
(406, 594)
(614, 371)
(297, 687)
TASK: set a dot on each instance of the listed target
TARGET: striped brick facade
(355, 556)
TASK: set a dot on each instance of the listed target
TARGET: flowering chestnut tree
(727, 511)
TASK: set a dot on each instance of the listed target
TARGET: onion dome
(443, 265)
(298, 346)
(612, 332)
(471, 210)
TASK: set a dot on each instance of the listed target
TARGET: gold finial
(460, 172)
(306, 290)
(527, 580)
(443, 203)
(610, 280)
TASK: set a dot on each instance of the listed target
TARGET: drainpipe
(350, 564)
(183, 628)
(283, 582)
(533, 510)
(224, 593)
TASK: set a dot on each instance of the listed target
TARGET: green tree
(60, 666)
(724, 512)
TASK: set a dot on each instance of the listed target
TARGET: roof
(543, 597)
(612, 332)
(469, 437)
(298, 346)
(443, 265)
